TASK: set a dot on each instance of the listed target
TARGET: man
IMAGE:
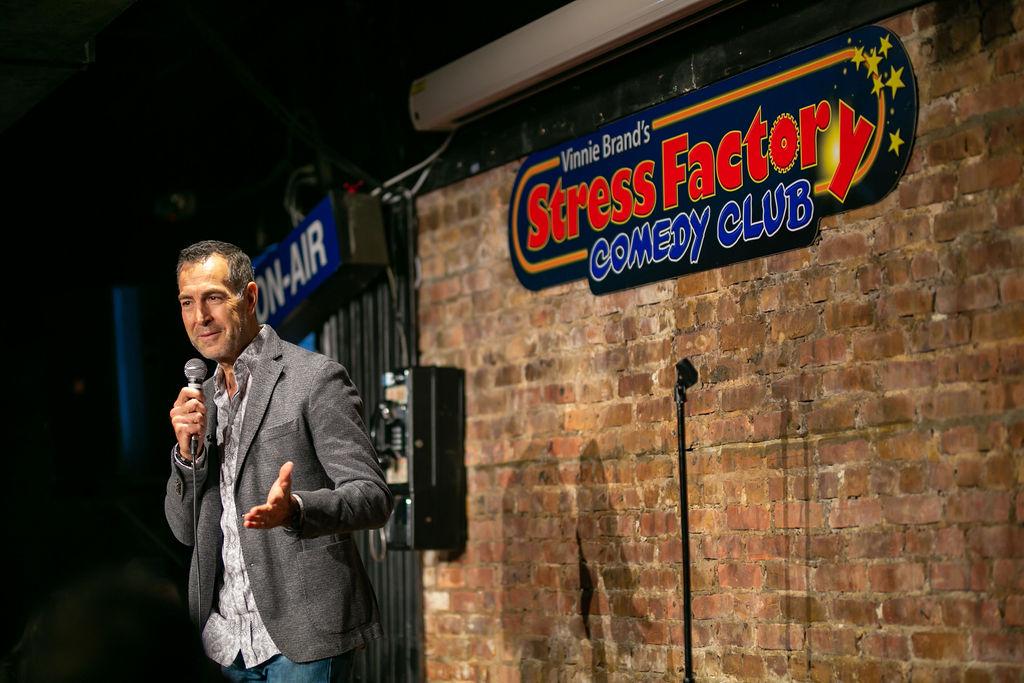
(283, 474)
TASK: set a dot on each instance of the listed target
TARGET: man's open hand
(279, 506)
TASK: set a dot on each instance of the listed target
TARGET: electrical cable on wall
(425, 165)
(304, 175)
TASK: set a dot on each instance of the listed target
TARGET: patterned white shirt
(234, 622)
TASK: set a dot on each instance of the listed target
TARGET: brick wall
(856, 466)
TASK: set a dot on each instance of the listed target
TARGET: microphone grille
(195, 370)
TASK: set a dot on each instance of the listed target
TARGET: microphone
(195, 373)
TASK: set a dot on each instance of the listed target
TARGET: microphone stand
(686, 376)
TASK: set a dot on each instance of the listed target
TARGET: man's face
(214, 315)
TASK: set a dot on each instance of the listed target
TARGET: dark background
(217, 102)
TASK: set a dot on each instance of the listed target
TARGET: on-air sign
(292, 270)
(743, 168)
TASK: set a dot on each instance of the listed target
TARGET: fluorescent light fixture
(536, 54)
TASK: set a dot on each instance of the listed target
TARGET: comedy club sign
(743, 168)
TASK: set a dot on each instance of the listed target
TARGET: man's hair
(239, 265)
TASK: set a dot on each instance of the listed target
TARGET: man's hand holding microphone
(188, 417)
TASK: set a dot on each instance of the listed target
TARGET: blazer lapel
(261, 387)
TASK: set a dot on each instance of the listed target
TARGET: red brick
(743, 576)
(712, 606)
(559, 393)
(896, 578)
(924, 266)
(907, 374)
(842, 247)
(847, 314)
(951, 403)
(912, 611)
(974, 294)
(728, 430)
(935, 115)
(743, 666)
(696, 343)
(844, 578)
(874, 544)
(641, 354)
(959, 145)
(1010, 211)
(939, 645)
(617, 415)
(1010, 58)
(939, 187)
(779, 636)
(832, 641)
(873, 346)
(869, 278)
(1014, 615)
(748, 517)
(942, 334)
(972, 218)
(950, 576)
(990, 173)
(509, 374)
(743, 271)
(794, 324)
(962, 73)
(565, 446)
(924, 509)
(905, 302)
(802, 608)
(824, 351)
(831, 416)
(979, 506)
(904, 446)
(854, 482)
(856, 512)
(741, 335)
(742, 397)
(847, 379)
(999, 647)
(997, 541)
(787, 576)
(638, 383)
(843, 451)
(859, 611)
(886, 646)
(989, 98)
(698, 283)
(887, 410)
(1000, 324)
(970, 612)
(800, 387)
(797, 515)
(1011, 288)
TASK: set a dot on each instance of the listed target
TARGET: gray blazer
(310, 587)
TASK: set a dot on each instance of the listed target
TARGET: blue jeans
(280, 669)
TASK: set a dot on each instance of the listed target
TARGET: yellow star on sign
(872, 61)
(884, 49)
(895, 141)
(858, 57)
(877, 87)
(894, 81)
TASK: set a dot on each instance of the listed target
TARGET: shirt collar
(244, 364)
